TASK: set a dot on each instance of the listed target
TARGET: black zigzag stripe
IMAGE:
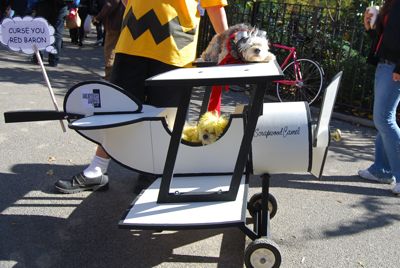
(160, 32)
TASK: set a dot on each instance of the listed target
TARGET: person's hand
(367, 20)
(396, 77)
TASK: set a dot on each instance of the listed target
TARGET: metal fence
(333, 37)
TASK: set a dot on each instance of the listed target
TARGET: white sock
(97, 168)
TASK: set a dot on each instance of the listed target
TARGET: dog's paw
(270, 57)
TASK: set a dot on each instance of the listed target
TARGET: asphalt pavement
(338, 221)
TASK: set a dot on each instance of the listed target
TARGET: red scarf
(216, 91)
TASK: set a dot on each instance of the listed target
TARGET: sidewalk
(338, 221)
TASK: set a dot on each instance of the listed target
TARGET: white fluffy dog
(239, 44)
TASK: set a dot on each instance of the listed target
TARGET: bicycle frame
(292, 55)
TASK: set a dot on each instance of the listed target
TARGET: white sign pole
(46, 78)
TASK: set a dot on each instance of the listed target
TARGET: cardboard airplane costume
(195, 180)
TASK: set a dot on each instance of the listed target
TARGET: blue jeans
(387, 143)
(58, 25)
(55, 16)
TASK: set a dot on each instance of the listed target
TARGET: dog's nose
(257, 51)
(205, 137)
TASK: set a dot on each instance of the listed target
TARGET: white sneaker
(396, 189)
(365, 174)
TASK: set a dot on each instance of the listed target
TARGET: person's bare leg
(101, 153)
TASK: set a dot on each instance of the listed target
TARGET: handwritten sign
(23, 34)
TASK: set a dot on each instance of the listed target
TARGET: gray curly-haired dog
(239, 44)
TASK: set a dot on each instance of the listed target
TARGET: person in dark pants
(54, 11)
(73, 7)
(139, 55)
(85, 8)
(19, 7)
(95, 7)
(83, 12)
(100, 34)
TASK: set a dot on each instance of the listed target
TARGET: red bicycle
(303, 78)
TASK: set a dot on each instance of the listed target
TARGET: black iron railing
(331, 36)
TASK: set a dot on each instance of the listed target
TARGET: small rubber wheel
(254, 205)
(262, 252)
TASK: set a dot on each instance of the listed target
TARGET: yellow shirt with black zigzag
(166, 31)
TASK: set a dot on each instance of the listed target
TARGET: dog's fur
(248, 45)
(210, 127)
(190, 133)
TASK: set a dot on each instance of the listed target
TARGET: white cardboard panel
(318, 159)
(146, 210)
(326, 111)
(281, 140)
(221, 72)
(114, 120)
(322, 134)
(216, 157)
(143, 145)
(131, 145)
(111, 100)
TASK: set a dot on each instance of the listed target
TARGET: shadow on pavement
(89, 236)
(83, 64)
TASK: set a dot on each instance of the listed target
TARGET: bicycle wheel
(308, 88)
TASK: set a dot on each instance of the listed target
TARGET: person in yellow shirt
(156, 36)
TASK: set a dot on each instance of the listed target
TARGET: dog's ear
(262, 34)
(253, 31)
(240, 35)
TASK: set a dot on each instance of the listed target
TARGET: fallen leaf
(50, 172)
(361, 264)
